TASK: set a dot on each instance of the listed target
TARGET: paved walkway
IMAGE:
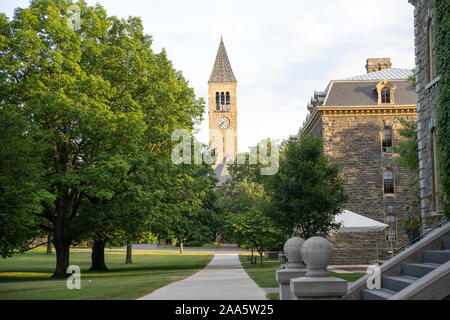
(223, 278)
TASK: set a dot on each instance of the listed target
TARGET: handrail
(398, 250)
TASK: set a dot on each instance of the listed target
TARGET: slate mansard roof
(364, 93)
(360, 90)
(222, 71)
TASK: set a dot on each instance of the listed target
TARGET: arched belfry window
(385, 95)
(388, 182)
(217, 101)
(228, 100)
(386, 140)
(222, 101)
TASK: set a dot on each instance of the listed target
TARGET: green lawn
(149, 271)
(265, 276)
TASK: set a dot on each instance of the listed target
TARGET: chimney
(378, 64)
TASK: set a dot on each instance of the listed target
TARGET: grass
(31, 272)
(273, 296)
(265, 276)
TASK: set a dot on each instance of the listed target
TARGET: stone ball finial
(316, 252)
(292, 251)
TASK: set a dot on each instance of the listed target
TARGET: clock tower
(222, 111)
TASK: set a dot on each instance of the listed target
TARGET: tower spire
(222, 71)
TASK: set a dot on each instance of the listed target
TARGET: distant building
(222, 113)
(357, 120)
(427, 93)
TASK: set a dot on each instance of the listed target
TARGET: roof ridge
(222, 71)
(391, 73)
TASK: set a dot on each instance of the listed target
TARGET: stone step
(418, 270)
(446, 243)
(376, 294)
(396, 283)
(436, 256)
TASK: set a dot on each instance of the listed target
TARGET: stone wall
(427, 93)
(354, 142)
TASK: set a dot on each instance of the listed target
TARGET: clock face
(223, 122)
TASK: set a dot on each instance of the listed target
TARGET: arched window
(385, 95)
(435, 173)
(430, 50)
(228, 100)
(391, 230)
(222, 101)
(386, 140)
(217, 101)
(388, 182)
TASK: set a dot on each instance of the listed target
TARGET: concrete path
(223, 278)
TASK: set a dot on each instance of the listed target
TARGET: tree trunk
(129, 259)
(261, 253)
(181, 247)
(49, 244)
(98, 256)
(62, 248)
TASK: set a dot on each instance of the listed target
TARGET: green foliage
(100, 106)
(408, 148)
(247, 221)
(412, 79)
(20, 182)
(442, 45)
(307, 192)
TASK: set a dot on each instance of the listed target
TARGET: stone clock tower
(222, 111)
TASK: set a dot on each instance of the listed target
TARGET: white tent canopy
(353, 222)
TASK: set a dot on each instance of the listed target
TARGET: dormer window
(385, 95)
(385, 90)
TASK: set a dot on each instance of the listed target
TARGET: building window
(386, 140)
(385, 95)
(430, 51)
(217, 101)
(385, 90)
(222, 101)
(435, 172)
(388, 182)
(391, 230)
(228, 100)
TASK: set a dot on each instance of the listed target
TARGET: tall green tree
(98, 100)
(308, 192)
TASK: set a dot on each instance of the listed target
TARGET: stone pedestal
(317, 283)
(284, 278)
(318, 288)
(294, 269)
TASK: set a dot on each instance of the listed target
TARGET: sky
(280, 51)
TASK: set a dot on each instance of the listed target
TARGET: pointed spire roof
(222, 71)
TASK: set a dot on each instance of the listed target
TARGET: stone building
(222, 86)
(427, 93)
(357, 118)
